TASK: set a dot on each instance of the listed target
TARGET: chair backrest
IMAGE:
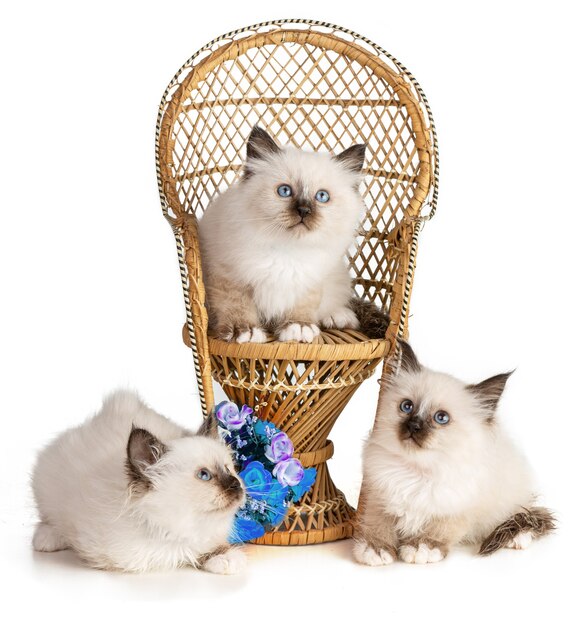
(318, 87)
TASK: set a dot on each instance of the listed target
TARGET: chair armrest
(405, 240)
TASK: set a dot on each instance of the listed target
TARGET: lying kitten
(273, 245)
(130, 490)
(438, 470)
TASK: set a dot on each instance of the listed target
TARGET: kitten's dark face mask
(417, 426)
(414, 430)
(231, 492)
(301, 211)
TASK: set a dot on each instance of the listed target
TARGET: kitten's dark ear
(142, 451)
(260, 144)
(489, 391)
(353, 158)
(208, 427)
(409, 361)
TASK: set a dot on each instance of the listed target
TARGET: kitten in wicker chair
(439, 470)
(130, 490)
(273, 246)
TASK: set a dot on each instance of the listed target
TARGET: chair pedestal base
(322, 515)
(302, 389)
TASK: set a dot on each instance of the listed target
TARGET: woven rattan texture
(318, 87)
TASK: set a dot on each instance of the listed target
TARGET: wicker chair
(319, 87)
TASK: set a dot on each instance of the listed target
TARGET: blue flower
(305, 484)
(277, 494)
(245, 530)
(277, 514)
(262, 429)
(257, 479)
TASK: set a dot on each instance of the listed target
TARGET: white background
(92, 297)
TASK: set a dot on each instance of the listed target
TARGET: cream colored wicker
(319, 87)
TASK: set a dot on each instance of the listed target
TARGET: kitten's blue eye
(441, 417)
(203, 474)
(406, 406)
(284, 191)
(322, 196)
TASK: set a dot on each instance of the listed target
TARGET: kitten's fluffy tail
(373, 322)
(537, 521)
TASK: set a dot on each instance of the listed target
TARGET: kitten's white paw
(233, 561)
(254, 335)
(521, 541)
(342, 318)
(258, 335)
(47, 539)
(304, 333)
(366, 555)
(421, 555)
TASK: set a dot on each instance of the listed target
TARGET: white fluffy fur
(469, 471)
(82, 492)
(245, 237)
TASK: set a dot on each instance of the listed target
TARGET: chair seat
(330, 345)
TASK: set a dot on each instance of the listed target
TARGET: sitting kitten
(130, 490)
(273, 244)
(438, 470)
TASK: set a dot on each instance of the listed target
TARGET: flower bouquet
(273, 478)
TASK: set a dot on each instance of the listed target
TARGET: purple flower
(245, 412)
(280, 449)
(289, 472)
(228, 414)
